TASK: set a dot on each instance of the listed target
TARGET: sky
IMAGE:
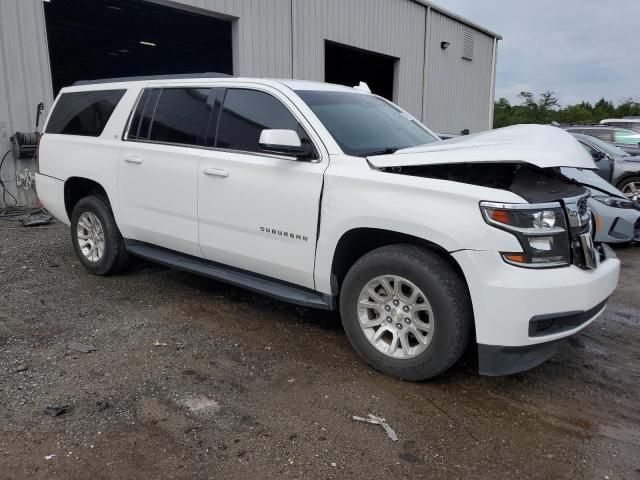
(579, 49)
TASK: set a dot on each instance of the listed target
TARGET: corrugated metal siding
(457, 91)
(262, 34)
(436, 85)
(25, 78)
(394, 28)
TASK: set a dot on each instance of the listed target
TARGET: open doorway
(349, 66)
(121, 38)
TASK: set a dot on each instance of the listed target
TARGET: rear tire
(96, 238)
(442, 319)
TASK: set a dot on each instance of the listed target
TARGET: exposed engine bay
(532, 183)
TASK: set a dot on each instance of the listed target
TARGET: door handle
(133, 159)
(216, 172)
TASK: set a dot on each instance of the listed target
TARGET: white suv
(331, 197)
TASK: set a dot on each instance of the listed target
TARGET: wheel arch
(76, 188)
(626, 176)
(355, 243)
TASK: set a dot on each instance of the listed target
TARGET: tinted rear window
(141, 119)
(83, 113)
(181, 116)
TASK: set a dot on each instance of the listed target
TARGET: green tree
(546, 108)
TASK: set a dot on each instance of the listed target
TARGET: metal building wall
(284, 38)
(458, 92)
(394, 28)
(261, 33)
(25, 80)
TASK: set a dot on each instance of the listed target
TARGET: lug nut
(406, 309)
(399, 326)
(396, 303)
(387, 308)
(389, 319)
(407, 320)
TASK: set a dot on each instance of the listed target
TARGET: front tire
(96, 238)
(630, 186)
(406, 311)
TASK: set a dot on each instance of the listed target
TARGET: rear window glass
(141, 119)
(83, 113)
(181, 116)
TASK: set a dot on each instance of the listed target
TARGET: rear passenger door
(157, 178)
(259, 211)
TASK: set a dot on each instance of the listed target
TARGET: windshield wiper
(386, 151)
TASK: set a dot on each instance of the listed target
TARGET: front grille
(583, 250)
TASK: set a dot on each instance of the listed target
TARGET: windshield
(607, 147)
(364, 125)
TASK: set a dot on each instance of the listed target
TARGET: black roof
(178, 76)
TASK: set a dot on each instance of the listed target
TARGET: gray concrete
(194, 379)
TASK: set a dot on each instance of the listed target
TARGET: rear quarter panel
(95, 158)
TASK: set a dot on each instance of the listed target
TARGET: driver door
(258, 211)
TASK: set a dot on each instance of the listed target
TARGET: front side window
(607, 147)
(245, 113)
(592, 151)
(181, 116)
(365, 125)
(83, 113)
(627, 138)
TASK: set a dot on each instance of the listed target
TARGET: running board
(240, 278)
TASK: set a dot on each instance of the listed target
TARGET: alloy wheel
(395, 316)
(90, 236)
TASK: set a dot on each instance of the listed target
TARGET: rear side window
(627, 138)
(606, 135)
(245, 113)
(181, 116)
(141, 119)
(83, 113)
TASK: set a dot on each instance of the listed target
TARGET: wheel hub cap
(395, 316)
(90, 237)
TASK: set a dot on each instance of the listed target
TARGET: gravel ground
(191, 378)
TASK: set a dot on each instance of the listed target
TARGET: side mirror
(284, 142)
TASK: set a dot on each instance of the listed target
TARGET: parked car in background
(625, 138)
(632, 123)
(616, 218)
(616, 166)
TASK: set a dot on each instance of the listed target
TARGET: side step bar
(240, 278)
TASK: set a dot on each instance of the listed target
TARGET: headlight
(616, 202)
(541, 230)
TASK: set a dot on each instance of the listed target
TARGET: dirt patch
(191, 379)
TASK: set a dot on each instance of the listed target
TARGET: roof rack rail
(177, 76)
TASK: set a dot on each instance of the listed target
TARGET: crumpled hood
(540, 145)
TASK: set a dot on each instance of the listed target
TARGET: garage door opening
(121, 38)
(350, 66)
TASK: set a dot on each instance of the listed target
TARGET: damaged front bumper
(521, 315)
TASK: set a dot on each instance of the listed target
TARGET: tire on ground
(115, 257)
(444, 289)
